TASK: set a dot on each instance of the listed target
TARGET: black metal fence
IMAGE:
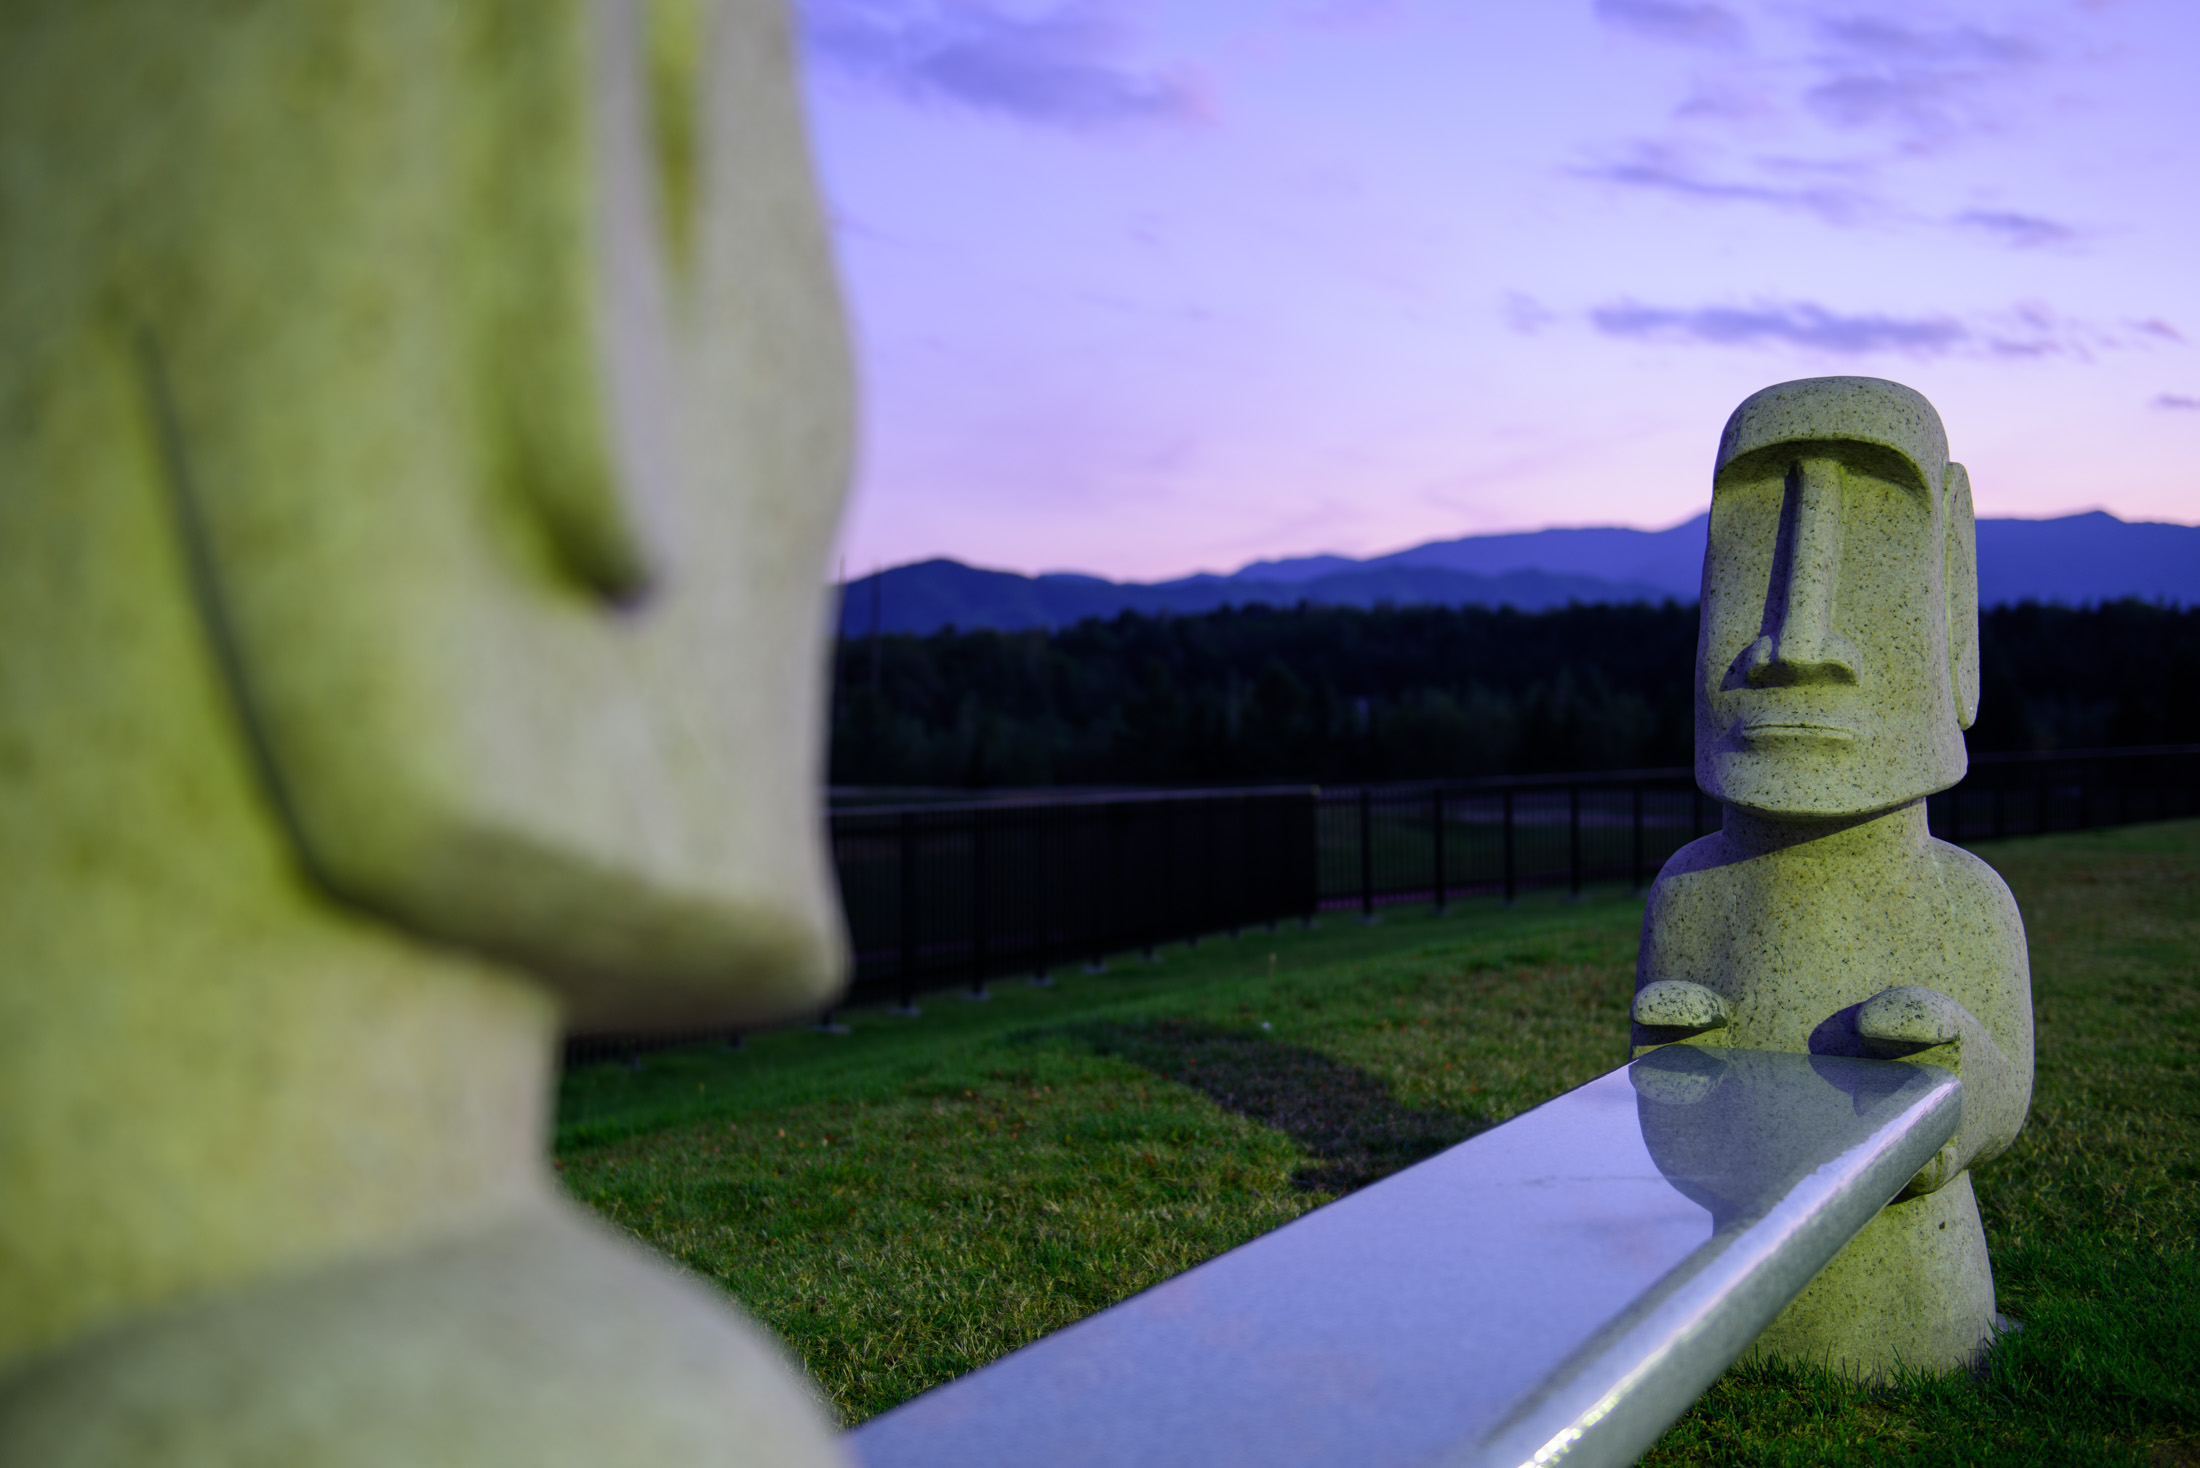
(1430, 843)
(1383, 844)
(958, 895)
(940, 895)
(2074, 790)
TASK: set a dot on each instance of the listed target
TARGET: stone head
(1837, 656)
(492, 361)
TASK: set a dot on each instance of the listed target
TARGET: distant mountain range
(2076, 560)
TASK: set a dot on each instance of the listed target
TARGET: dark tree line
(2061, 678)
(1341, 694)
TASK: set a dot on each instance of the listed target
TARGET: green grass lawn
(909, 1201)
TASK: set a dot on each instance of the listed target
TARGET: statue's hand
(1909, 1021)
(1906, 1019)
(1677, 1004)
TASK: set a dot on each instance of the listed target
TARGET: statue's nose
(1799, 644)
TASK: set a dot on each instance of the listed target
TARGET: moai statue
(422, 427)
(1836, 668)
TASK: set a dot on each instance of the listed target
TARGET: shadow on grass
(1345, 1117)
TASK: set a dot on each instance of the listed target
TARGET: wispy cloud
(2025, 231)
(1815, 104)
(1824, 188)
(1669, 171)
(1847, 68)
(1063, 67)
(2155, 326)
(2025, 330)
(1950, 46)
(1920, 83)
(1678, 24)
(2032, 329)
(2177, 402)
(1800, 324)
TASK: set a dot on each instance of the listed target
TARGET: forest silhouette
(1265, 694)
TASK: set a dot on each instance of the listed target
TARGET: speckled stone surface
(421, 432)
(1837, 667)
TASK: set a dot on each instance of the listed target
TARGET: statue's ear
(1962, 584)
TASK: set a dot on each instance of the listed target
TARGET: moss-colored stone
(1837, 667)
(411, 562)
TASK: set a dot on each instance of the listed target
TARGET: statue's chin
(1790, 761)
(1802, 776)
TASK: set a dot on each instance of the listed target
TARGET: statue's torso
(1789, 937)
(1795, 938)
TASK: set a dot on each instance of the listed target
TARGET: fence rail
(960, 895)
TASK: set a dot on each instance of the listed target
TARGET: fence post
(1041, 820)
(906, 847)
(1245, 869)
(1311, 874)
(1436, 835)
(1172, 885)
(1111, 882)
(1209, 864)
(1367, 856)
(1508, 841)
(980, 823)
(1573, 842)
(1634, 846)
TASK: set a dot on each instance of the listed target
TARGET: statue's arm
(1908, 1021)
(1983, 1032)
(1999, 993)
(1668, 1006)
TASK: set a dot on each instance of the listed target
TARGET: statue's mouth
(1786, 731)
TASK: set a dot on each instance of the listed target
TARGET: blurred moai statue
(422, 425)
(1836, 668)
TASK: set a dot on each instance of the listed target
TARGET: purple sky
(1144, 288)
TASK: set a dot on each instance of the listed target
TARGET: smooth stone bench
(1557, 1289)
